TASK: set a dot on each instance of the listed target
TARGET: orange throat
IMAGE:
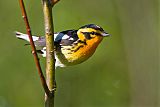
(85, 52)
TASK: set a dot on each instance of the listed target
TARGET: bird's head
(92, 33)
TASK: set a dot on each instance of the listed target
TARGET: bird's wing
(66, 38)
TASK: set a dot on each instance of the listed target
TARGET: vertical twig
(50, 63)
(43, 81)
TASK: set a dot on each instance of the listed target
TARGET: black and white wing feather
(66, 38)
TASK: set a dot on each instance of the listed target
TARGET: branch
(42, 78)
(50, 60)
(53, 2)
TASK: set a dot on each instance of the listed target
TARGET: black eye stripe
(92, 33)
(87, 35)
(95, 33)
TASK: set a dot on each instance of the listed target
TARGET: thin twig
(42, 78)
(50, 60)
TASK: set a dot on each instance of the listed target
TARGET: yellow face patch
(88, 33)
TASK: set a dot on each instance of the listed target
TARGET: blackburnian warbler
(71, 46)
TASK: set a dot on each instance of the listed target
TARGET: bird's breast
(71, 55)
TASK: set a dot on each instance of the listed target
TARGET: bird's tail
(25, 37)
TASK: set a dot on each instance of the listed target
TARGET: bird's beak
(105, 34)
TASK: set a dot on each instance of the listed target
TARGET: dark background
(124, 71)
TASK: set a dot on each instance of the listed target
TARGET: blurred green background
(124, 71)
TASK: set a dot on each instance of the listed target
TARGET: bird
(71, 47)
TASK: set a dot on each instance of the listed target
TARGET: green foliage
(122, 72)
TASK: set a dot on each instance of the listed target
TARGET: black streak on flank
(83, 42)
(81, 46)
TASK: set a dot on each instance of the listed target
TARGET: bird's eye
(93, 33)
